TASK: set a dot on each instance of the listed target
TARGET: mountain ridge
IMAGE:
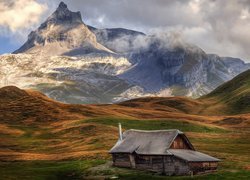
(91, 65)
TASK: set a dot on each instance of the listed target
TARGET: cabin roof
(147, 142)
(192, 156)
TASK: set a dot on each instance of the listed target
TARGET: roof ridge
(162, 130)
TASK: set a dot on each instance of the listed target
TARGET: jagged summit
(62, 5)
(64, 15)
(63, 33)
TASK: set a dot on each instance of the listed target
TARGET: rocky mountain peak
(62, 5)
(63, 15)
(63, 33)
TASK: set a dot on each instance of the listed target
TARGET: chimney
(120, 131)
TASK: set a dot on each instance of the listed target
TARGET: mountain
(42, 138)
(63, 33)
(179, 69)
(76, 63)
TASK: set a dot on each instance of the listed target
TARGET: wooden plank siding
(181, 167)
(179, 143)
(121, 160)
(197, 167)
(168, 165)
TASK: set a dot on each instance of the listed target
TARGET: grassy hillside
(44, 139)
(235, 94)
(79, 149)
(231, 98)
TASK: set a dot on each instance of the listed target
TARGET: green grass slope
(235, 94)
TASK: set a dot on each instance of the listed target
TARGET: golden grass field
(44, 139)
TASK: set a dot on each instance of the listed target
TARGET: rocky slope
(85, 79)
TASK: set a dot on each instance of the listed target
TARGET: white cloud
(17, 15)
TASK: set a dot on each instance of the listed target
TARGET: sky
(217, 26)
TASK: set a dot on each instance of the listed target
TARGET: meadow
(79, 149)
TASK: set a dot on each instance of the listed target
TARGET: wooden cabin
(164, 151)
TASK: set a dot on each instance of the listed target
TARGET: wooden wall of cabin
(157, 163)
(180, 166)
(179, 143)
(143, 162)
(203, 166)
(121, 160)
(171, 165)
(150, 162)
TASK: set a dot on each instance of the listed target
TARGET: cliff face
(184, 69)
